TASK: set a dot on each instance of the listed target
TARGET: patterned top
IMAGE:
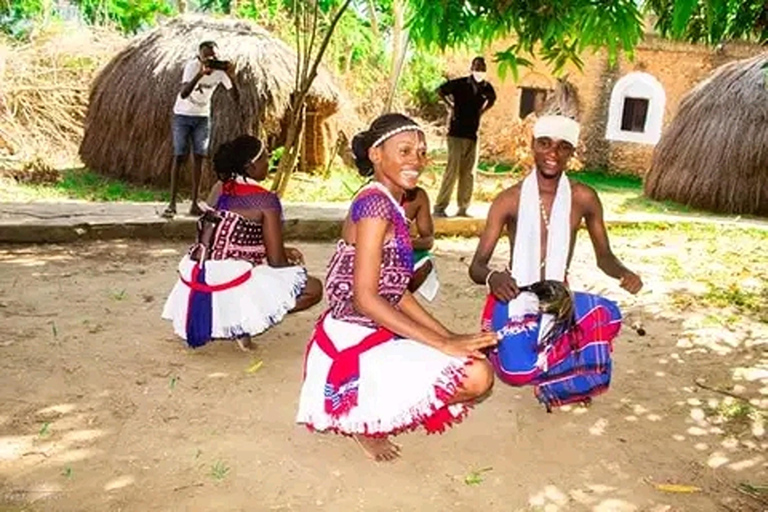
(237, 237)
(247, 195)
(374, 201)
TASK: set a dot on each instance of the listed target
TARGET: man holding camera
(191, 116)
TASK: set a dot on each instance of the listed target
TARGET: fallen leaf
(475, 477)
(677, 488)
(254, 367)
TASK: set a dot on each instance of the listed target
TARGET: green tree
(559, 32)
(17, 17)
(129, 15)
(315, 22)
(711, 21)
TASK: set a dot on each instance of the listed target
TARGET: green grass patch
(736, 416)
(219, 471)
(602, 181)
(624, 193)
(722, 269)
(500, 168)
(620, 194)
(642, 203)
(752, 301)
(86, 184)
(81, 184)
(340, 185)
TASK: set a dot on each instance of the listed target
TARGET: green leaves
(557, 32)
(509, 62)
(476, 477)
(17, 16)
(710, 21)
(129, 15)
(560, 32)
(219, 471)
(682, 12)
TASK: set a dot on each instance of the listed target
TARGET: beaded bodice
(374, 201)
(237, 237)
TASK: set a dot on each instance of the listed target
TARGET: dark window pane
(531, 100)
(634, 115)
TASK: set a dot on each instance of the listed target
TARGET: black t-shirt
(469, 96)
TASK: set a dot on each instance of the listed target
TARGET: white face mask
(479, 76)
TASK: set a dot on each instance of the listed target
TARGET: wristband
(488, 279)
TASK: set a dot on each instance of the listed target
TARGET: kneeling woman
(378, 363)
(239, 280)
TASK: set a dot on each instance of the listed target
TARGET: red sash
(205, 288)
(341, 388)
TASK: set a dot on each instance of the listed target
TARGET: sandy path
(102, 409)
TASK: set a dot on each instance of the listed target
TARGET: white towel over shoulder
(526, 256)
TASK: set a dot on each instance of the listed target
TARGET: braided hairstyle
(382, 128)
(232, 158)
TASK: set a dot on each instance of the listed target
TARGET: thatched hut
(714, 154)
(128, 124)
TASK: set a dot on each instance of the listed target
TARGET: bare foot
(380, 449)
(245, 343)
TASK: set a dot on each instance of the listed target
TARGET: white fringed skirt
(230, 298)
(358, 380)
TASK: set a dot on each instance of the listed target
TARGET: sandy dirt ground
(102, 409)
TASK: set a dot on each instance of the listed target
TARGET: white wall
(637, 85)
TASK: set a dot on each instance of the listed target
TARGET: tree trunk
(399, 48)
(374, 20)
(398, 14)
(398, 70)
(305, 75)
(293, 143)
(348, 62)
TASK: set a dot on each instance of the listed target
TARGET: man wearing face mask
(468, 98)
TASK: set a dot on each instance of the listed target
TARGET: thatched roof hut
(128, 124)
(714, 154)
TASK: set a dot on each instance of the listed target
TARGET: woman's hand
(469, 345)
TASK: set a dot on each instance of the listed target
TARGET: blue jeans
(197, 128)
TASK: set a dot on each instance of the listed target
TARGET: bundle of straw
(44, 91)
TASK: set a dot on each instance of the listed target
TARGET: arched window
(636, 111)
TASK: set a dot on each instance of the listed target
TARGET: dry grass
(704, 273)
(43, 93)
(714, 154)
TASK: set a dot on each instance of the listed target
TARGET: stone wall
(677, 66)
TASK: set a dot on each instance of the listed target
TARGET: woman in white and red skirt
(379, 364)
(238, 279)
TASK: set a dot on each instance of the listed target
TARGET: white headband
(395, 131)
(258, 155)
(557, 127)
